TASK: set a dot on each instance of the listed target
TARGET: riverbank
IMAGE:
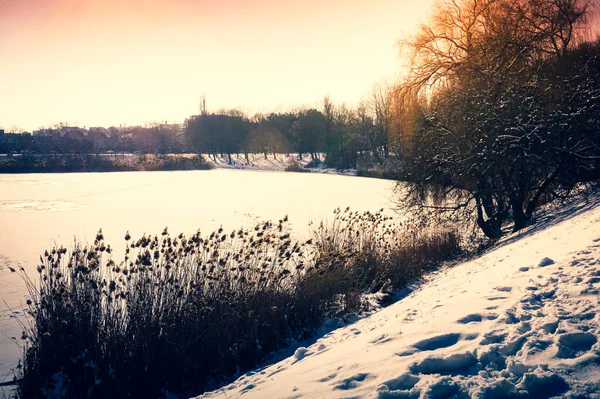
(77, 163)
(520, 321)
(82, 163)
(275, 163)
(293, 163)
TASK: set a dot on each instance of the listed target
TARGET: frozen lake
(38, 211)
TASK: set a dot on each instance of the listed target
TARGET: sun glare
(110, 63)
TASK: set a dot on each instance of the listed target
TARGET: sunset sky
(112, 62)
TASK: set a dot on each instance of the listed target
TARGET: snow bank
(279, 162)
(521, 321)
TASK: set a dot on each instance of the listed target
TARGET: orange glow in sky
(112, 62)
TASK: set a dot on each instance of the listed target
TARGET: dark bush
(378, 173)
(315, 163)
(100, 163)
(294, 166)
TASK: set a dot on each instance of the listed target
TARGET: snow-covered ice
(521, 321)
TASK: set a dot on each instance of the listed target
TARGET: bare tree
(495, 134)
(381, 104)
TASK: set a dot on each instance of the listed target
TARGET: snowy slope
(520, 321)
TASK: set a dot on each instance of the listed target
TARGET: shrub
(378, 254)
(294, 166)
(98, 163)
(180, 311)
(377, 173)
(315, 163)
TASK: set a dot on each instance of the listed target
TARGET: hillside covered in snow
(520, 321)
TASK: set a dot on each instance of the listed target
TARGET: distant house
(11, 142)
(73, 132)
(3, 142)
(102, 138)
(100, 131)
(46, 133)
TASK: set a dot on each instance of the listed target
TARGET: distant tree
(267, 140)
(363, 124)
(283, 122)
(311, 129)
(234, 129)
(15, 130)
(224, 132)
(161, 138)
(340, 153)
(381, 105)
(202, 131)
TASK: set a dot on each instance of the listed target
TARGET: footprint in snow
(352, 382)
(456, 363)
(431, 344)
(279, 370)
(550, 328)
(404, 382)
(546, 262)
(250, 386)
(476, 318)
(328, 378)
(382, 339)
(493, 337)
(438, 342)
(593, 280)
(573, 345)
(524, 327)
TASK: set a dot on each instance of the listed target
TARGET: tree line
(342, 133)
(154, 138)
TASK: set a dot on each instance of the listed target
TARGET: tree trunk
(489, 229)
(519, 217)
(494, 212)
(534, 201)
